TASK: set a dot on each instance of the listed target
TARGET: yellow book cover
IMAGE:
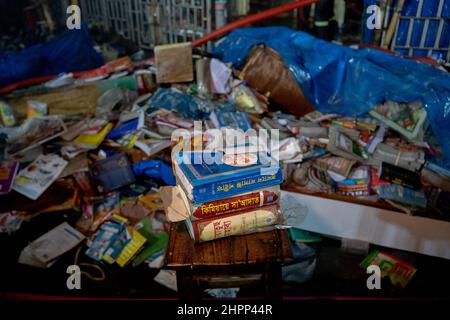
(130, 250)
(92, 141)
(153, 201)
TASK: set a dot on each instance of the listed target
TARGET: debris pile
(110, 165)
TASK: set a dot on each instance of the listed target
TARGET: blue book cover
(213, 176)
(235, 120)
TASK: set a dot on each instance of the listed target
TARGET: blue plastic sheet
(346, 81)
(187, 105)
(155, 169)
(70, 51)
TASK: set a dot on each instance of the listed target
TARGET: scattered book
(93, 140)
(136, 243)
(110, 240)
(112, 173)
(237, 223)
(7, 118)
(44, 251)
(235, 120)
(34, 132)
(151, 148)
(156, 241)
(230, 175)
(341, 145)
(39, 175)
(10, 222)
(8, 171)
(399, 272)
(249, 200)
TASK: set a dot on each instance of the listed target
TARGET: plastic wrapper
(247, 101)
(406, 119)
(113, 102)
(10, 222)
(346, 81)
(187, 105)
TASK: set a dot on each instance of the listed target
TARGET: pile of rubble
(109, 166)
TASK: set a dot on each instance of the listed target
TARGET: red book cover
(236, 203)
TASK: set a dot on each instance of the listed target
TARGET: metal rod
(251, 19)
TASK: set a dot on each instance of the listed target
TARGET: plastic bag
(155, 169)
(187, 105)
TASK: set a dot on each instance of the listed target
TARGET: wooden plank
(62, 101)
(335, 196)
(272, 246)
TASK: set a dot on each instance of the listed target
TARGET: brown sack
(265, 72)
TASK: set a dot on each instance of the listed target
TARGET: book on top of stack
(227, 194)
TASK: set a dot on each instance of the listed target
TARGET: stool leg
(273, 282)
(185, 285)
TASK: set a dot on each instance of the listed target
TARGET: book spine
(238, 223)
(224, 189)
(236, 203)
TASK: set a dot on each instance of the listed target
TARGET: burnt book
(394, 174)
(112, 173)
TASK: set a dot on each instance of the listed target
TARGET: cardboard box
(174, 63)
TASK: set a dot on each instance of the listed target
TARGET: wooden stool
(230, 262)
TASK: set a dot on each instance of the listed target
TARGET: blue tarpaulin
(346, 81)
(70, 51)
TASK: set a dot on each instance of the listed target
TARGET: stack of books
(227, 194)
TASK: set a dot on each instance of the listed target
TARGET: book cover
(112, 173)
(7, 118)
(8, 171)
(403, 195)
(131, 249)
(249, 200)
(110, 240)
(39, 175)
(235, 120)
(239, 223)
(45, 250)
(156, 241)
(35, 132)
(92, 141)
(230, 175)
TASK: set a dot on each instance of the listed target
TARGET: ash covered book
(207, 177)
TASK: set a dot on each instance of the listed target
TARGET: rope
(91, 265)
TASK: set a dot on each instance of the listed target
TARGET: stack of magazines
(228, 194)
